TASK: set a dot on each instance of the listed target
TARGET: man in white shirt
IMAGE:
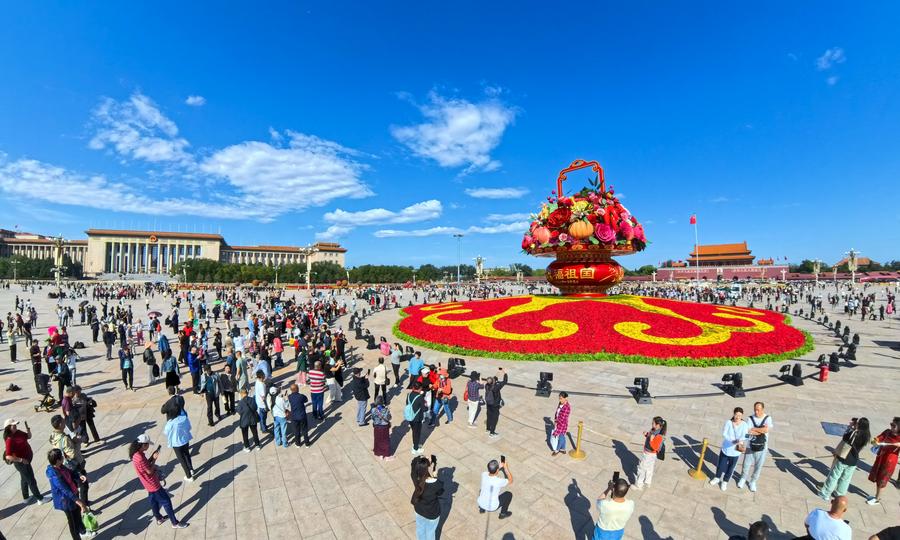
(259, 393)
(822, 525)
(614, 509)
(490, 498)
(760, 424)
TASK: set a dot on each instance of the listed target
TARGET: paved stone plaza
(338, 489)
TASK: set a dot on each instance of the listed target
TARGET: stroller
(42, 384)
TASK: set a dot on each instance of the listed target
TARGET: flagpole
(697, 256)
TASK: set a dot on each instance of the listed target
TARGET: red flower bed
(620, 328)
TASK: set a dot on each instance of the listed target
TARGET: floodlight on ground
(642, 390)
(543, 385)
(834, 362)
(791, 374)
(733, 384)
(456, 367)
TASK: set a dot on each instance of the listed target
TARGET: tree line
(27, 268)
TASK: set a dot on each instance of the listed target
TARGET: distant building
(721, 255)
(721, 262)
(38, 246)
(157, 252)
(861, 262)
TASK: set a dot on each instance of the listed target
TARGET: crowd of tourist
(231, 345)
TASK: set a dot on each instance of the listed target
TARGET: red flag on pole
(693, 219)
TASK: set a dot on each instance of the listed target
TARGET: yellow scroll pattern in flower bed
(710, 333)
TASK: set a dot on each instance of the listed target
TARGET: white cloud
(391, 233)
(334, 232)
(496, 193)
(195, 101)
(311, 171)
(248, 180)
(344, 222)
(458, 133)
(832, 80)
(719, 199)
(376, 216)
(829, 58)
(508, 217)
(519, 227)
(20, 179)
(137, 129)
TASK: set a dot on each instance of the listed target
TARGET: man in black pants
(86, 406)
(493, 400)
(490, 498)
(297, 403)
(416, 400)
(210, 388)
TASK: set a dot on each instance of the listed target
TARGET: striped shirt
(316, 381)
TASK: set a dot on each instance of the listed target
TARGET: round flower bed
(621, 328)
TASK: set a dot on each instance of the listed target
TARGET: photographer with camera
(614, 510)
(490, 498)
(426, 496)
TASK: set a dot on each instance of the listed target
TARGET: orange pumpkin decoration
(542, 235)
(581, 229)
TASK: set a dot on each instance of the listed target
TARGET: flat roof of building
(158, 234)
(709, 250)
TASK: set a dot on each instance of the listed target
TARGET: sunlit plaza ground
(337, 489)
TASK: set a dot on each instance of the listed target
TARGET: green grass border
(807, 346)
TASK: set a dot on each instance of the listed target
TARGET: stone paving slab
(337, 489)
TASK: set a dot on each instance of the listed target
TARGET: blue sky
(391, 126)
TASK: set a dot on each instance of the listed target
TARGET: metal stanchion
(578, 453)
(698, 473)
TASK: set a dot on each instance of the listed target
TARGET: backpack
(409, 414)
(155, 370)
(758, 442)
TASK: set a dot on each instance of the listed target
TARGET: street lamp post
(307, 253)
(414, 280)
(184, 269)
(15, 265)
(277, 268)
(852, 265)
(458, 237)
(58, 260)
(817, 267)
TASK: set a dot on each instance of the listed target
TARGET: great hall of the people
(156, 252)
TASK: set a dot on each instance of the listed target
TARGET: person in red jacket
(653, 442)
(443, 392)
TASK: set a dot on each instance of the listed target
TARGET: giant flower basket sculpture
(584, 231)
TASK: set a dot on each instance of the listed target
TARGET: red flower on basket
(559, 217)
